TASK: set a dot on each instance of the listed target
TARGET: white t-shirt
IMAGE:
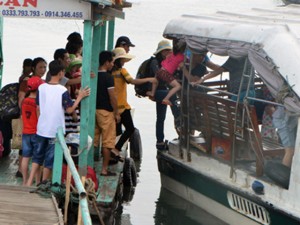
(52, 99)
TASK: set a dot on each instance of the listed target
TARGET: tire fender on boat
(129, 173)
(136, 149)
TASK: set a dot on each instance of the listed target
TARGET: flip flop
(166, 102)
(109, 173)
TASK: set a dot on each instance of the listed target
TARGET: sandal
(109, 173)
(166, 102)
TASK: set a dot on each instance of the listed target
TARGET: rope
(91, 194)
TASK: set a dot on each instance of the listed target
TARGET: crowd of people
(53, 102)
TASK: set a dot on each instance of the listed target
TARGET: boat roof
(269, 37)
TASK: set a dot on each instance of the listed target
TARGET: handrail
(82, 193)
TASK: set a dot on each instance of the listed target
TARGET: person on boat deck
(29, 118)
(121, 78)
(199, 62)
(73, 72)
(267, 127)
(75, 44)
(124, 42)
(52, 100)
(107, 113)
(63, 56)
(166, 73)
(286, 125)
(26, 72)
(235, 67)
(163, 49)
(39, 66)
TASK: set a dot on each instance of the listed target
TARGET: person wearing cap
(125, 43)
(52, 100)
(121, 79)
(74, 72)
(164, 48)
(169, 65)
(29, 118)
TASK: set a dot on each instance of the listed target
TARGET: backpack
(9, 107)
(144, 72)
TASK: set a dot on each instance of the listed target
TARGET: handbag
(17, 128)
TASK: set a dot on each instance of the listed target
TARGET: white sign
(51, 9)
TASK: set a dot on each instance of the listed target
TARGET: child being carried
(166, 72)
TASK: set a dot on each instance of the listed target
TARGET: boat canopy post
(98, 44)
(111, 34)
(85, 104)
(93, 86)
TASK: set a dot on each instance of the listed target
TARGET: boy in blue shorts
(53, 100)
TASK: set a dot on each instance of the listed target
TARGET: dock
(20, 207)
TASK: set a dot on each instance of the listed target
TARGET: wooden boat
(231, 171)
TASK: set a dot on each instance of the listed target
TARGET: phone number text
(35, 13)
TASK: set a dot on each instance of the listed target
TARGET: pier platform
(20, 207)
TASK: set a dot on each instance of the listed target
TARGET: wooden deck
(20, 207)
(17, 205)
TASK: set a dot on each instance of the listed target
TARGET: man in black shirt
(106, 111)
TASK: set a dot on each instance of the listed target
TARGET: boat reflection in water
(173, 210)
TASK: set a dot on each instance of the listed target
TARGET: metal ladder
(185, 117)
(247, 76)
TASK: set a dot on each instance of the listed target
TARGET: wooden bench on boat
(216, 116)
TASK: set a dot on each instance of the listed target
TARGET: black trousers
(127, 122)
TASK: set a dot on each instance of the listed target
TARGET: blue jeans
(161, 111)
(44, 154)
(29, 144)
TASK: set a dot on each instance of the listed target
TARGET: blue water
(144, 24)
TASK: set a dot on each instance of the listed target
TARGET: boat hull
(212, 195)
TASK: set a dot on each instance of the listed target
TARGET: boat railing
(61, 149)
(214, 116)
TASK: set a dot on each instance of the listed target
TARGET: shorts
(106, 127)
(44, 153)
(286, 127)
(164, 75)
(29, 144)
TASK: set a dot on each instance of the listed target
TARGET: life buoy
(129, 173)
(136, 150)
